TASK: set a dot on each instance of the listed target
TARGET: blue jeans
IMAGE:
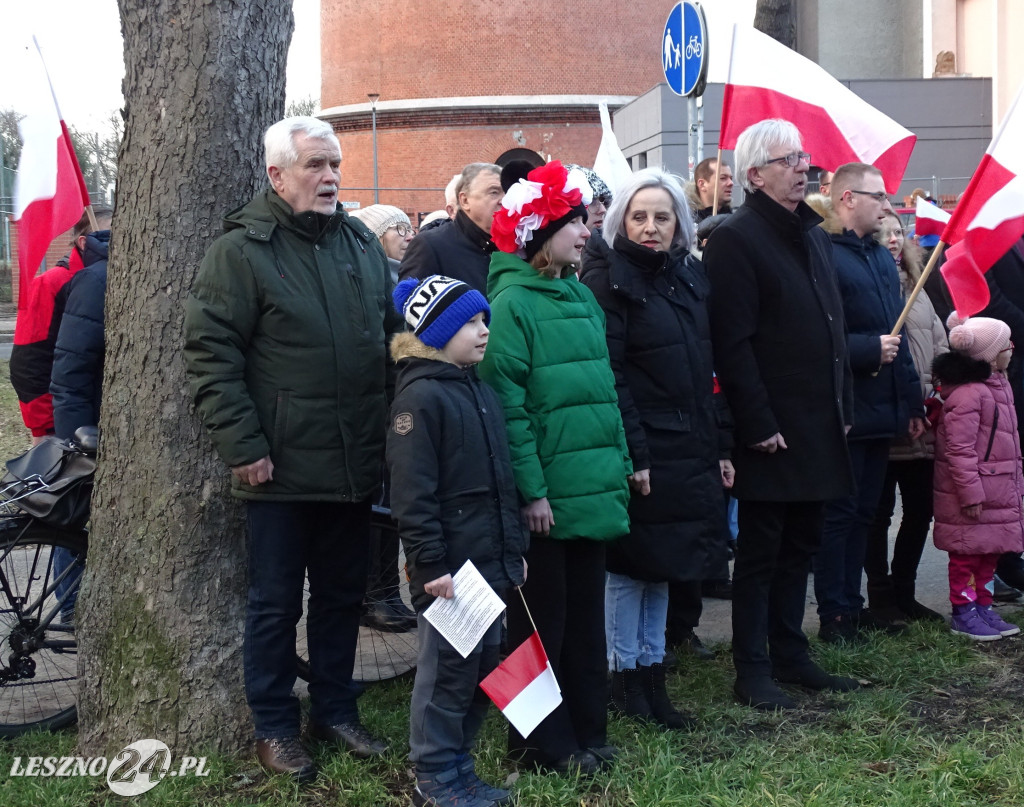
(287, 540)
(635, 614)
(839, 564)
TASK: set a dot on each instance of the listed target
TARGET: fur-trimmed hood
(954, 368)
(409, 346)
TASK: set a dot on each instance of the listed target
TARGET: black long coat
(460, 250)
(780, 351)
(659, 343)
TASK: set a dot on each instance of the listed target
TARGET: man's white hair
(755, 145)
(279, 141)
(450, 197)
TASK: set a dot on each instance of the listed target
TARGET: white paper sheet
(464, 619)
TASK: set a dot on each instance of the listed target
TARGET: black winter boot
(628, 695)
(657, 696)
(906, 601)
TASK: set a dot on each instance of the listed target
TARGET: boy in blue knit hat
(454, 498)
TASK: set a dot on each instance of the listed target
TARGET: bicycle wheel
(380, 654)
(40, 573)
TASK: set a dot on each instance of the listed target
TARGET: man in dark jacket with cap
(285, 334)
(780, 356)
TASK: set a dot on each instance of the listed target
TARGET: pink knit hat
(981, 338)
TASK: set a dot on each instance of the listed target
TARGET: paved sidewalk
(932, 590)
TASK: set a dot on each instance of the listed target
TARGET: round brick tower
(462, 82)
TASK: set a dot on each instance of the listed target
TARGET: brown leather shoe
(286, 755)
(352, 736)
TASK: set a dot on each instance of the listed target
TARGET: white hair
(615, 219)
(754, 146)
(450, 197)
(279, 141)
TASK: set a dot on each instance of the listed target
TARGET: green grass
(938, 724)
(14, 437)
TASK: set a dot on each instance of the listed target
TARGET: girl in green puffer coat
(548, 361)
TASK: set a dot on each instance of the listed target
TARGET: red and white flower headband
(547, 194)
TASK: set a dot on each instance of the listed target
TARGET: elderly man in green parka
(285, 333)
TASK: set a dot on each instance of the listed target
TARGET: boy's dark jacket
(452, 490)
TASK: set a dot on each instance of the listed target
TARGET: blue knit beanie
(438, 306)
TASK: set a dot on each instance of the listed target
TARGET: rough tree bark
(161, 610)
(777, 18)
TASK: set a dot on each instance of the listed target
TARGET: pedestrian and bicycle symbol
(684, 49)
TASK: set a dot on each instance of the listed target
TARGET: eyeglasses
(792, 160)
(1007, 348)
(402, 229)
(878, 196)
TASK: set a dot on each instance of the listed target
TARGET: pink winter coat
(978, 460)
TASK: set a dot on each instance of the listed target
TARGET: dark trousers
(914, 479)
(448, 707)
(769, 584)
(685, 605)
(839, 563)
(287, 540)
(565, 593)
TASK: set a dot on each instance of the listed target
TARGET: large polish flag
(929, 219)
(990, 217)
(523, 686)
(769, 80)
(50, 192)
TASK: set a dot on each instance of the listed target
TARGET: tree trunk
(777, 18)
(161, 613)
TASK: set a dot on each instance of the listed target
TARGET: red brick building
(464, 82)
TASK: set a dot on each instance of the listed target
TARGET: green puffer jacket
(285, 333)
(547, 358)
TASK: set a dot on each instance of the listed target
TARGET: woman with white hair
(659, 342)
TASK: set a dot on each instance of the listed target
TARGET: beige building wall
(987, 37)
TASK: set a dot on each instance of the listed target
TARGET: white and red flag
(930, 219)
(990, 217)
(50, 192)
(523, 686)
(769, 80)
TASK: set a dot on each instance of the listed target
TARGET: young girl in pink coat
(978, 480)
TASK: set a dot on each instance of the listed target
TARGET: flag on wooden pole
(989, 218)
(929, 219)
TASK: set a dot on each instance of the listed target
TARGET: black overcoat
(659, 342)
(780, 351)
(460, 250)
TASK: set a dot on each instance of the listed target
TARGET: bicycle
(43, 541)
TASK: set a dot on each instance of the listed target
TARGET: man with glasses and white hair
(887, 403)
(285, 333)
(780, 355)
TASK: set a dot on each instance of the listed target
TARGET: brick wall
(405, 50)
(426, 157)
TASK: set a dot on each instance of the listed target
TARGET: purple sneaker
(968, 622)
(996, 622)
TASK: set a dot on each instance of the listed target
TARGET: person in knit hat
(548, 361)
(602, 199)
(454, 498)
(978, 480)
(392, 228)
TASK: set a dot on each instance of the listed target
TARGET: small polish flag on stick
(523, 686)
(931, 220)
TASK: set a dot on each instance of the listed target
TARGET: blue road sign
(684, 49)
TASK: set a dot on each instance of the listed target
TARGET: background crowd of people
(581, 384)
